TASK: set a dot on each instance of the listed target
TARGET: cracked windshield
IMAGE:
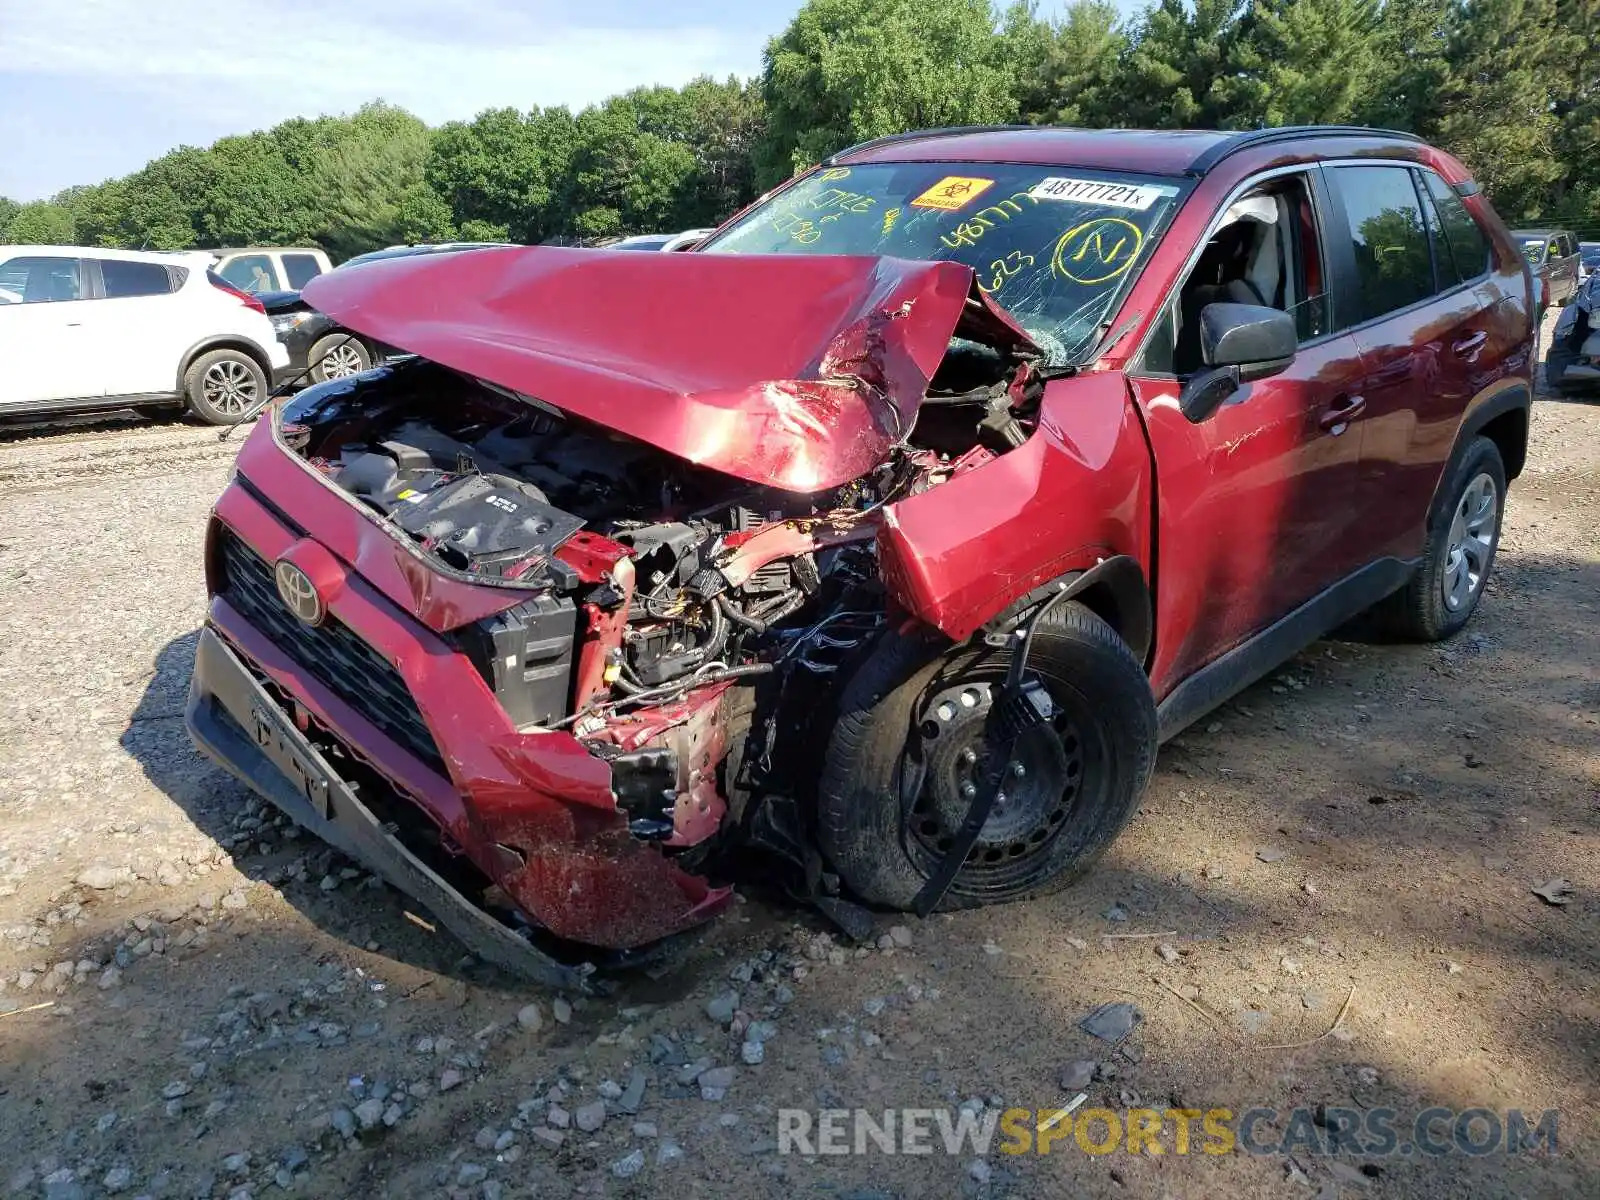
(1056, 247)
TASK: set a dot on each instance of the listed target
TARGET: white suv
(86, 328)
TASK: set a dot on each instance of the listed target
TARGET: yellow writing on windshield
(974, 227)
(1002, 269)
(1097, 251)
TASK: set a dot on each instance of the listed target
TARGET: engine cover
(482, 524)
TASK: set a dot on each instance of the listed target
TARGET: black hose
(788, 606)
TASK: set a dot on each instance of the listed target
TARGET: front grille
(332, 652)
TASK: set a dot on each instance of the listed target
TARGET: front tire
(1464, 532)
(909, 739)
(225, 387)
(338, 356)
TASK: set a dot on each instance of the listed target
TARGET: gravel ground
(1333, 875)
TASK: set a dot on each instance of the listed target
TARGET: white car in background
(85, 329)
(256, 269)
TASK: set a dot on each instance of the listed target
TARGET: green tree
(629, 171)
(1410, 45)
(425, 216)
(502, 168)
(1498, 109)
(163, 202)
(846, 70)
(1068, 73)
(724, 124)
(1576, 67)
(1175, 58)
(1301, 62)
(361, 184)
(41, 223)
(253, 196)
(8, 209)
(97, 212)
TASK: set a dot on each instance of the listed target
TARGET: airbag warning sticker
(1099, 191)
(952, 193)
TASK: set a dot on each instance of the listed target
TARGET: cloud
(100, 77)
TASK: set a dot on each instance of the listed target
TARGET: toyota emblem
(299, 594)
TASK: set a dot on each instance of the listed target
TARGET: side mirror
(1238, 343)
(1260, 341)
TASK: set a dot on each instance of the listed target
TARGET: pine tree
(1497, 102)
(1301, 62)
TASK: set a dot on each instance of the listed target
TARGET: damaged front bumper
(532, 816)
(234, 721)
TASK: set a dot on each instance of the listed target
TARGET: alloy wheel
(1473, 530)
(230, 387)
(341, 362)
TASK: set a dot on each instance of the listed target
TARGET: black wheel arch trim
(223, 341)
(1490, 406)
(1114, 589)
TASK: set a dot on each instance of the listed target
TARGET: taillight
(245, 298)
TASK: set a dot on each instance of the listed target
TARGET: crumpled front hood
(793, 371)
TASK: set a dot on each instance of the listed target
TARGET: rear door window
(301, 269)
(124, 279)
(250, 273)
(1389, 237)
(1465, 253)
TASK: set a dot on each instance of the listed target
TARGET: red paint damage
(794, 371)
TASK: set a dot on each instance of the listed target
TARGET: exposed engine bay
(675, 618)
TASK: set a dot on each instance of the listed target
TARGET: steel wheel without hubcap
(341, 362)
(1045, 775)
(230, 387)
(1473, 530)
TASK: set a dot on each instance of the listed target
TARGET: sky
(92, 89)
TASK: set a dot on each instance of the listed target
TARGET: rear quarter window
(1465, 253)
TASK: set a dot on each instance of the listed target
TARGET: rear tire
(890, 796)
(338, 356)
(1464, 533)
(225, 387)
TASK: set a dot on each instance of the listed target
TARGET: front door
(1257, 504)
(43, 348)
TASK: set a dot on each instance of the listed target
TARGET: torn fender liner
(793, 371)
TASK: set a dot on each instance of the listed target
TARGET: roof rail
(1260, 137)
(915, 134)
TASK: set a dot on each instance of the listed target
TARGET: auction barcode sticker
(1099, 191)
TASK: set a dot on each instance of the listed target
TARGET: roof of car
(1538, 233)
(1152, 151)
(222, 250)
(165, 256)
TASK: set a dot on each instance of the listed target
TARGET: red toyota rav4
(884, 536)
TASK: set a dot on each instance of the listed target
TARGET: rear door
(1255, 502)
(1413, 267)
(43, 348)
(299, 269)
(136, 325)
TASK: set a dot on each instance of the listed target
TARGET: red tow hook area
(583, 875)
